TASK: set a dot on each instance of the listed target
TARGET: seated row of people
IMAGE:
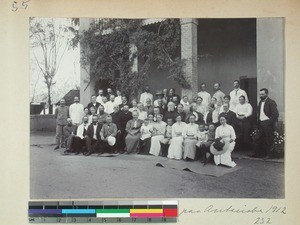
(175, 141)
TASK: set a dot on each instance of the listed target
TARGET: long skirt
(225, 158)
(155, 145)
(132, 142)
(189, 148)
(176, 148)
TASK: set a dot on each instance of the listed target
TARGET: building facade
(220, 50)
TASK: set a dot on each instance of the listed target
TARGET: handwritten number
(24, 4)
(260, 220)
(14, 7)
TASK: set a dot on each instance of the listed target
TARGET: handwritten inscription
(16, 5)
(241, 210)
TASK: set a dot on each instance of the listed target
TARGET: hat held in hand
(219, 146)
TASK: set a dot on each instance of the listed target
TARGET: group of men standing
(101, 126)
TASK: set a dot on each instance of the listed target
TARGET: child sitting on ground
(205, 146)
(201, 137)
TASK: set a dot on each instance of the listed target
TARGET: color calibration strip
(103, 212)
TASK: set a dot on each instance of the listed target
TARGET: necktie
(84, 131)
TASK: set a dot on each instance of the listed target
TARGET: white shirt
(146, 131)
(118, 100)
(76, 112)
(145, 96)
(235, 95)
(99, 99)
(206, 97)
(110, 107)
(262, 115)
(90, 120)
(245, 110)
(219, 95)
(142, 115)
(186, 106)
(95, 131)
(80, 130)
(226, 132)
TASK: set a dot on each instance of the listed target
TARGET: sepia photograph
(157, 108)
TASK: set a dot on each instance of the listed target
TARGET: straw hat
(219, 146)
(111, 140)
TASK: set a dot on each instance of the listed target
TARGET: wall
(226, 51)
(158, 80)
(42, 123)
(270, 59)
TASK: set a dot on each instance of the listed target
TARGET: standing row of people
(166, 108)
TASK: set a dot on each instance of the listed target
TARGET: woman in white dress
(190, 134)
(176, 146)
(159, 129)
(142, 113)
(225, 132)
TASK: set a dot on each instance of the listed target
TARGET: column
(87, 82)
(270, 59)
(189, 54)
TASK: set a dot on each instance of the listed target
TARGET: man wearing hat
(108, 135)
(159, 95)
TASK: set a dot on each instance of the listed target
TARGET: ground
(53, 175)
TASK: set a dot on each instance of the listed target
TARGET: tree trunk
(49, 100)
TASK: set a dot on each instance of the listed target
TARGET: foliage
(279, 139)
(50, 39)
(107, 50)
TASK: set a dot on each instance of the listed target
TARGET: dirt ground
(53, 175)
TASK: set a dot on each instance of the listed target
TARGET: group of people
(205, 127)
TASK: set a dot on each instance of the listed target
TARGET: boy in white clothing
(145, 140)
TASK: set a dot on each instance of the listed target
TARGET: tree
(106, 50)
(50, 39)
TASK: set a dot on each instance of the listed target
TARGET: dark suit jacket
(125, 117)
(231, 118)
(90, 131)
(116, 119)
(91, 104)
(270, 110)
